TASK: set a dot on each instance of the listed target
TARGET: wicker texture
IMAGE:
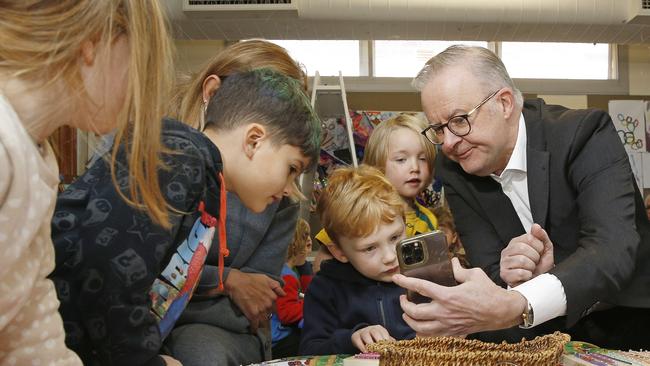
(447, 351)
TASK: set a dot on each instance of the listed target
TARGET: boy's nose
(290, 188)
(390, 256)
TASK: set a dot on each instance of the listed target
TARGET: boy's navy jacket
(109, 255)
(340, 301)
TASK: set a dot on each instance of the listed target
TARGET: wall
(192, 55)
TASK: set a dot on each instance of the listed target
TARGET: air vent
(237, 2)
(240, 5)
(640, 12)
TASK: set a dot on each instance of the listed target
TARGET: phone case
(432, 264)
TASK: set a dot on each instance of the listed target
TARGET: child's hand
(370, 335)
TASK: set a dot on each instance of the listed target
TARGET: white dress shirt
(545, 292)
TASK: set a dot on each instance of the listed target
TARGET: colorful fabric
(290, 306)
(419, 221)
(174, 287)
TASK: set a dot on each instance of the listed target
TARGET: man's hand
(476, 304)
(370, 335)
(170, 361)
(526, 257)
(254, 294)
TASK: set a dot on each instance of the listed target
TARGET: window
(536, 60)
(406, 58)
(326, 57)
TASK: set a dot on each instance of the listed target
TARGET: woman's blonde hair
(376, 152)
(300, 236)
(187, 101)
(41, 40)
(356, 201)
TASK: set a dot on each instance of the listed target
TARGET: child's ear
(88, 53)
(254, 135)
(210, 85)
(337, 253)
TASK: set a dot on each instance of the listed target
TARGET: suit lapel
(497, 207)
(537, 163)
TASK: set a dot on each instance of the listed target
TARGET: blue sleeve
(108, 254)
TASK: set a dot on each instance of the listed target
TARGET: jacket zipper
(381, 313)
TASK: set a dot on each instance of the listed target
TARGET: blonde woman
(224, 325)
(86, 64)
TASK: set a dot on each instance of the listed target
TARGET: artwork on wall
(630, 117)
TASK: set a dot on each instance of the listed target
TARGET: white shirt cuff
(546, 296)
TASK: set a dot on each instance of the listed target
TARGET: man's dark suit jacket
(582, 191)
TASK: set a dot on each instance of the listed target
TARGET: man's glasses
(458, 125)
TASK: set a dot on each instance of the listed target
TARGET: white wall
(639, 69)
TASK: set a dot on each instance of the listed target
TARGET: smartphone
(426, 256)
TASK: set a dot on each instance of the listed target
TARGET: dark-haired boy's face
(270, 175)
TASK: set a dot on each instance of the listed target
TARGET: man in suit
(546, 206)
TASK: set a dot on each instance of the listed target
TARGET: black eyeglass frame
(441, 126)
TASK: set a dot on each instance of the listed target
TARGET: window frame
(618, 84)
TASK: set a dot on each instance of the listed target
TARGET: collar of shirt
(517, 162)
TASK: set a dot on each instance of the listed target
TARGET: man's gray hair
(483, 63)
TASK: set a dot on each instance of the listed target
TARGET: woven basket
(447, 351)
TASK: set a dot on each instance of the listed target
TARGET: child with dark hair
(122, 279)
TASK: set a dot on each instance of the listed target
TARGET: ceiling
(602, 21)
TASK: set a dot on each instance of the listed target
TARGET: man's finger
(541, 234)
(518, 262)
(423, 287)
(460, 274)
(423, 327)
(426, 311)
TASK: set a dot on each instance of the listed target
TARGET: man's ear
(507, 99)
(337, 253)
(88, 52)
(254, 136)
(210, 85)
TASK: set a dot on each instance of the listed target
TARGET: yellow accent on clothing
(419, 221)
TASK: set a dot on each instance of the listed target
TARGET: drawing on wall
(629, 118)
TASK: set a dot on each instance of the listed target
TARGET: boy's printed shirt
(114, 266)
(174, 287)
